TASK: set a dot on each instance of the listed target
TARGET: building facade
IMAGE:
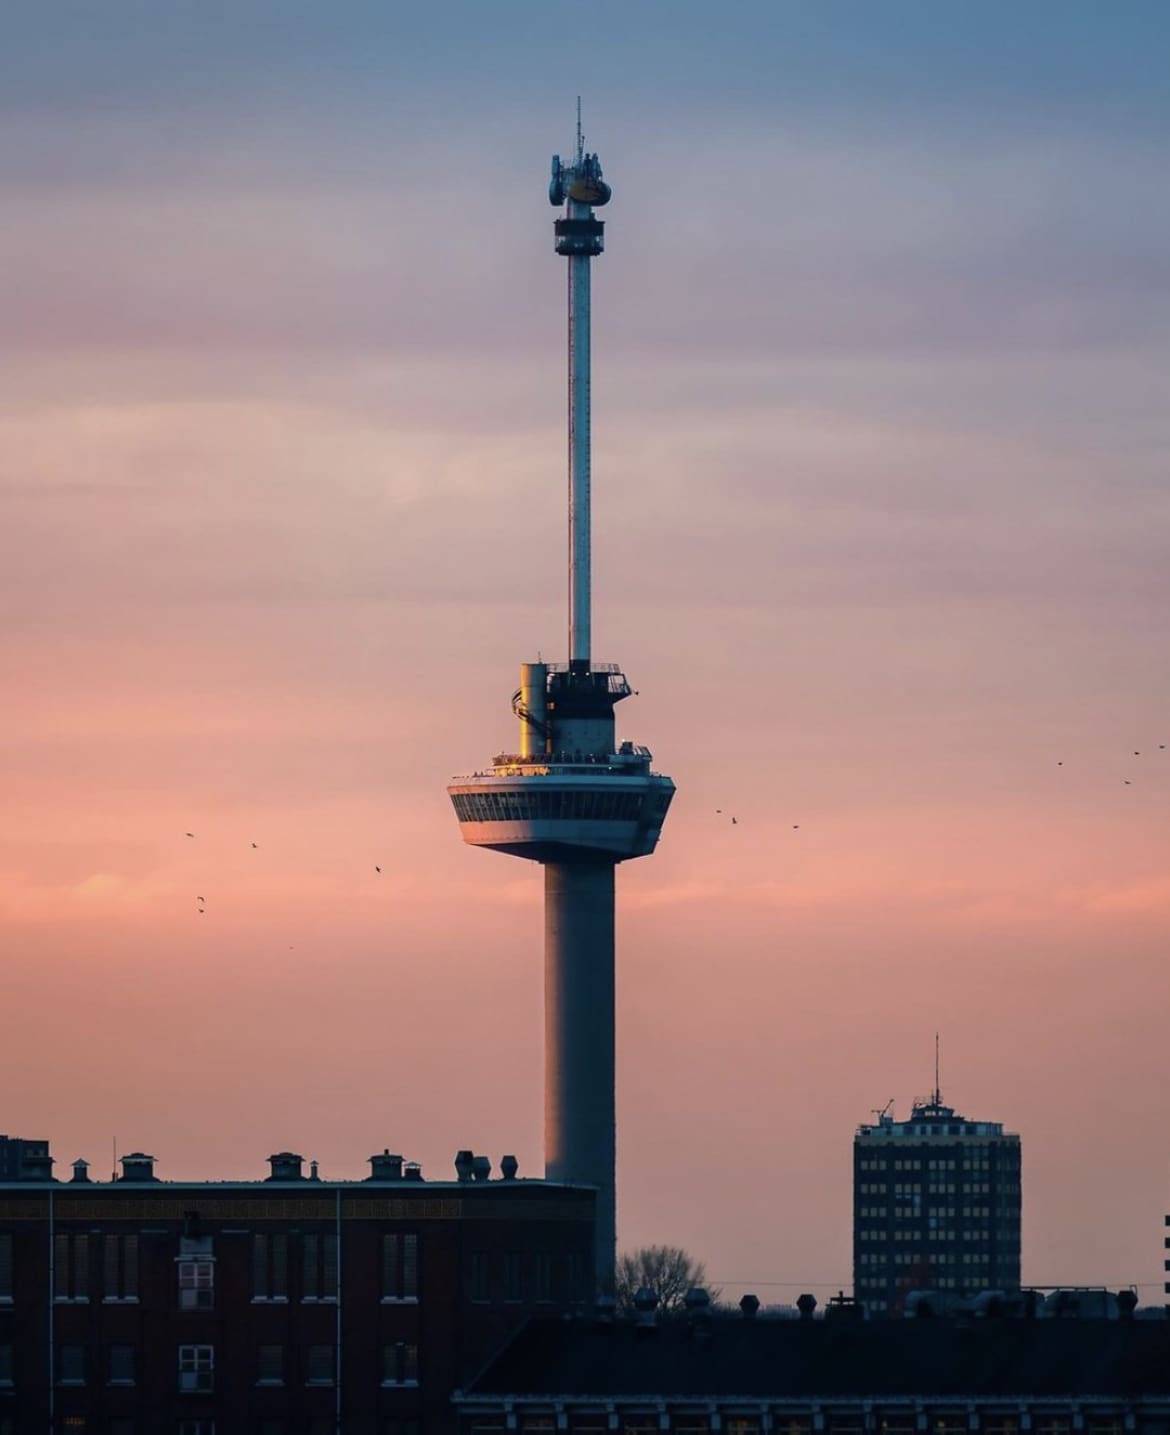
(936, 1206)
(287, 1306)
(998, 1374)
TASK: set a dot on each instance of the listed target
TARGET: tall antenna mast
(937, 1091)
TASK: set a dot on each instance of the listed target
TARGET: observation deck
(564, 807)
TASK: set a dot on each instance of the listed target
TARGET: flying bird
(190, 834)
(796, 827)
(735, 822)
(377, 869)
(201, 899)
(1127, 782)
(255, 844)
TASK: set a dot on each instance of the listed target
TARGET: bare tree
(666, 1270)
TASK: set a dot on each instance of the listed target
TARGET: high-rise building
(573, 798)
(936, 1206)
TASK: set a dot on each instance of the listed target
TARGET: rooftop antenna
(881, 1115)
(580, 135)
(937, 1092)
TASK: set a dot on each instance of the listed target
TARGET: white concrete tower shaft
(572, 797)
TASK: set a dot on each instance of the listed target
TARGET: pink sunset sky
(881, 509)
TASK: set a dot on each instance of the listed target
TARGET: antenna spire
(580, 134)
(937, 1091)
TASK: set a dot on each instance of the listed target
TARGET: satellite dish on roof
(589, 189)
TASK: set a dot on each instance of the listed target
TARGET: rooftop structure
(572, 797)
(1003, 1372)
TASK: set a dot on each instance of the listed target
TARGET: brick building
(287, 1306)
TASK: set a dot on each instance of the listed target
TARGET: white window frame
(196, 1283)
(197, 1369)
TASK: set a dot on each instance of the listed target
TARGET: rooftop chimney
(464, 1164)
(508, 1167)
(750, 1305)
(481, 1167)
(137, 1166)
(80, 1171)
(313, 1176)
(806, 1304)
(286, 1166)
(386, 1167)
(412, 1171)
(645, 1304)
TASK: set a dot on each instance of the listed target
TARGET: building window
(321, 1365)
(394, 1426)
(5, 1366)
(270, 1267)
(75, 1423)
(543, 1276)
(120, 1268)
(577, 1282)
(197, 1368)
(196, 1427)
(71, 1268)
(399, 1267)
(71, 1365)
(640, 1424)
(691, 1424)
(480, 1284)
(120, 1427)
(538, 1424)
(792, 1425)
(196, 1285)
(400, 1364)
(272, 1427)
(120, 1365)
(742, 1425)
(514, 1276)
(319, 1266)
(270, 1365)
